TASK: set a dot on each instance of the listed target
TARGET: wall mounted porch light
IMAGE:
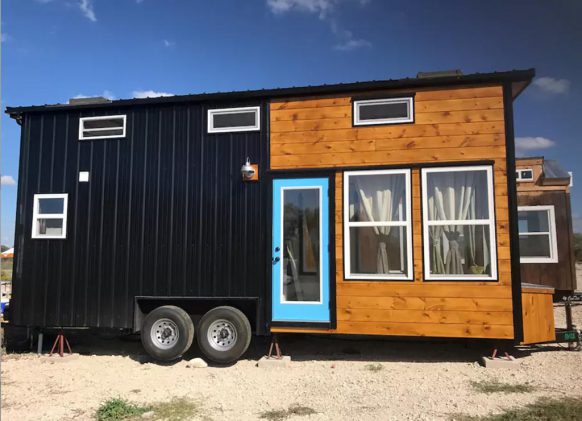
(250, 172)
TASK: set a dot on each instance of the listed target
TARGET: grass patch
(493, 386)
(281, 414)
(565, 409)
(374, 367)
(177, 409)
(119, 409)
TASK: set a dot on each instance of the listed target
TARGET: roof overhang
(517, 79)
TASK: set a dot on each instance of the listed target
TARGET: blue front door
(300, 250)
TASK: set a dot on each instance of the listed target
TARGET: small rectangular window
(537, 234)
(377, 224)
(459, 223)
(383, 111)
(102, 127)
(49, 216)
(225, 120)
(525, 174)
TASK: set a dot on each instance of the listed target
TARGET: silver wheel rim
(222, 335)
(164, 333)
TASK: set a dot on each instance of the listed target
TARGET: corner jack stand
(60, 341)
(275, 344)
(494, 354)
(506, 361)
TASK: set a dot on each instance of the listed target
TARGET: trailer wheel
(167, 333)
(224, 334)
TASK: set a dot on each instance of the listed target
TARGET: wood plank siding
(538, 315)
(451, 125)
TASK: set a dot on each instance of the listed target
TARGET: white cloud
(525, 144)
(86, 7)
(319, 7)
(150, 94)
(552, 85)
(169, 44)
(8, 180)
(352, 44)
(347, 41)
(325, 10)
(105, 94)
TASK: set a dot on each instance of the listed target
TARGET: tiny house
(369, 208)
(546, 234)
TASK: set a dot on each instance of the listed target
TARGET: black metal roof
(519, 79)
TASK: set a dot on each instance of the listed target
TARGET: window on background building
(525, 174)
(459, 223)
(537, 234)
(49, 218)
(378, 238)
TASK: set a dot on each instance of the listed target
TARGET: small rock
(197, 363)
(149, 414)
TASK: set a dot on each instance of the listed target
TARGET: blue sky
(53, 50)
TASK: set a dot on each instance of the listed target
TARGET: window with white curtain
(459, 223)
(49, 216)
(537, 234)
(377, 225)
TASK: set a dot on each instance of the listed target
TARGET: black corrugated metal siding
(165, 213)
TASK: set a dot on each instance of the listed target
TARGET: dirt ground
(414, 380)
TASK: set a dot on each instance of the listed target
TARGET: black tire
(174, 336)
(216, 329)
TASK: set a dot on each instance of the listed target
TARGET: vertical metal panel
(165, 212)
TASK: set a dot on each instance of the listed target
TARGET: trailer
(368, 208)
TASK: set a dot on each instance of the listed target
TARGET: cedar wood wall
(460, 124)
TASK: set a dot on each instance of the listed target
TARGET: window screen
(537, 234)
(233, 120)
(103, 127)
(459, 223)
(378, 238)
(383, 111)
(49, 218)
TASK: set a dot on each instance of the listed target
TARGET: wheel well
(194, 307)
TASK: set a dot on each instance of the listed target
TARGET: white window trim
(213, 112)
(490, 221)
(282, 299)
(104, 117)
(36, 215)
(518, 174)
(552, 234)
(356, 111)
(407, 224)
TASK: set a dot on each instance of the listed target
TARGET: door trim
(330, 175)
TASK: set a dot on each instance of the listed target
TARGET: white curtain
(452, 196)
(380, 200)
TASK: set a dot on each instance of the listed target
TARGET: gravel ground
(417, 380)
